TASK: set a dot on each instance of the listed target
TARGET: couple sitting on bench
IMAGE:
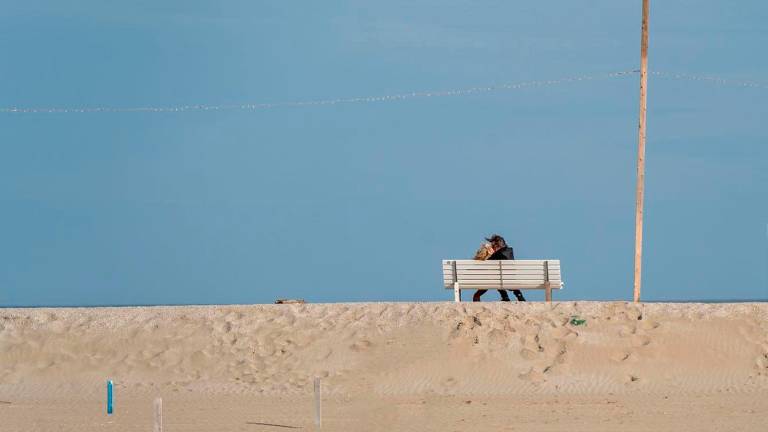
(495, 248)
(495, 268)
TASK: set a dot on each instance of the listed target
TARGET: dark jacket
(503, 254)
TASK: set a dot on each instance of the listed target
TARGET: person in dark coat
(501, 252)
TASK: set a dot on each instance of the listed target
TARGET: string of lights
(321, 102)
(709, 79)
(385, 98)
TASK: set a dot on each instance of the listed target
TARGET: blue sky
(359, 202)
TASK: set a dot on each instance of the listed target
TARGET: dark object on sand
(273, 425)
(289, 301)
(577, 321)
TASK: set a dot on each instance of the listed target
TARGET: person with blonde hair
(485, 251)
(499, 251)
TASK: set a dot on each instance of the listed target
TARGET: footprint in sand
(562, 355)
(534, 375)
(497, 338)
(362, 345)
(199, 359)
(649, 325)
(323, 353)
(762, 364)
(640, 340)
(449, 382)
(224, 327)
(528, 354)
(631, 379)
(627, 331)
(564, 333)
(532, 342)
(621, 356)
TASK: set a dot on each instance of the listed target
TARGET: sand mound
(390, 349)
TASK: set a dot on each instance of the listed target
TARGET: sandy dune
(407, 366)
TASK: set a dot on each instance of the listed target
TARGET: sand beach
(576, 366)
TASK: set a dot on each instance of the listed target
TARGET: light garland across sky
(709, 79)
(376, 99)
(336, 101)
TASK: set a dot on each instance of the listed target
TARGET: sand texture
(389, 366)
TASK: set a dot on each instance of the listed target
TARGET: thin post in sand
(158, 418)
(110, 385)
(641, 152)
(318, 404)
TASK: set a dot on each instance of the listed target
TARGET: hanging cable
(385, 98)
(353, 100)
(709, 79)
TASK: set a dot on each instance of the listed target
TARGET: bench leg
(548, 293)
(456, 293)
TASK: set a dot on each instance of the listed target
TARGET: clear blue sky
(361, 201)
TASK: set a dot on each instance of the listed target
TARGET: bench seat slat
(516, 261)
(504, 272)
(519, 261)
(496, 283)
(503, 269)
(506, 281)
(495, 264)
(505, 276)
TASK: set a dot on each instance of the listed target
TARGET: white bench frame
(502, 275)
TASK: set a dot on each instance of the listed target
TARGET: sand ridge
(389, 366)
(392, 348)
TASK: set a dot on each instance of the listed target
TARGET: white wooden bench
(502, 275)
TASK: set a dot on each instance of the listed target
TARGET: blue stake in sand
(109, 397)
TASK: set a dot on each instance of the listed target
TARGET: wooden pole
(318, 404)
(158, 418)
(641, 152)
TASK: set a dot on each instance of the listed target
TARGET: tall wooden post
(641, 152)
(318, 404)
(158, 423)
